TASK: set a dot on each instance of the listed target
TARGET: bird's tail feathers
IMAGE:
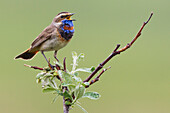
(26, 55)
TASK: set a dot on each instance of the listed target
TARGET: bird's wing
(43, 36)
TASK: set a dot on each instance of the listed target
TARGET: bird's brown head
(62, 16)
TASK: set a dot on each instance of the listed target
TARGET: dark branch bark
(34, 67)
(64, 64)
(97, 78)
(116, 51)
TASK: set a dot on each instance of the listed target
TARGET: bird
(52, 38)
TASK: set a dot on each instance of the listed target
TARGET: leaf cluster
(67, 83)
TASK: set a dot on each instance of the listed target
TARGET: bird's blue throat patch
(67, 26)
(67, 29)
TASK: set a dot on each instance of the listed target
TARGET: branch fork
(115, 52)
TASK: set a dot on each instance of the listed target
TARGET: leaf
(73, 85)
(76, 59)
(79, 92)
(49, 89)
(40, 75)
(80, 57)
(67, 78)
(76, 73)
(82, 108)
(55, 98)
(67, 95)
(92, 95)
(92, 68)
(86, 84)
(48, 75)
(38, 80)
(74, 54)
(55, 73)
(67, 103)
(88, 70)
(58, 92)
(77, 79)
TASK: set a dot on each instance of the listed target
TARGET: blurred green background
(139, 80)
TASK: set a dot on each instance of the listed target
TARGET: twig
(65, 107)
(116, 51)
(34, 67)
(64, 64)
(97, 78)
(136, 37)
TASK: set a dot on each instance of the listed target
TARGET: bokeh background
(139, 80)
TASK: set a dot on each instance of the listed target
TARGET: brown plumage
(52, 38)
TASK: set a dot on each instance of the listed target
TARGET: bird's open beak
(71, 14)
(69, 17)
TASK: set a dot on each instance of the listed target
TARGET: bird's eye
(64, 16)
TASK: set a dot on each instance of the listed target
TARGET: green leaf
(80, 57)
(86, 84)
(79, 92)
(67, 78)
(76, 73)
(55, 73)
(77, 79)
(74, 54)
(49, 89)
(88, 70)
(55, 98)
(58, 92)
(73, 85)
(82, 108)
(92, 68)
(40, 75)
(38, 80)
(48, 75)
(92, 95)
(67, 103)
(67, 95)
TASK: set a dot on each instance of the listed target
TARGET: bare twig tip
(27, 65)
(108, 67)
(64, 64)
(117, 47)
(149, 18)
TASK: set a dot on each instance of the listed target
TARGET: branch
(64, 64)
(34, 67)
(65, 107)
(97, 78)
(116, 51)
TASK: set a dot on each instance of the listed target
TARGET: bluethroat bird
(52, 38)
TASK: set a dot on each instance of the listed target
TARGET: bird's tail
(26, 55)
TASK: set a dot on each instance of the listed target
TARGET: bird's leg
(47, 60)
(55, 56)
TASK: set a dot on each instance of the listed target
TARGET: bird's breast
(54, 43)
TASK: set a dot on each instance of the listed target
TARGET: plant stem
(65, 107)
